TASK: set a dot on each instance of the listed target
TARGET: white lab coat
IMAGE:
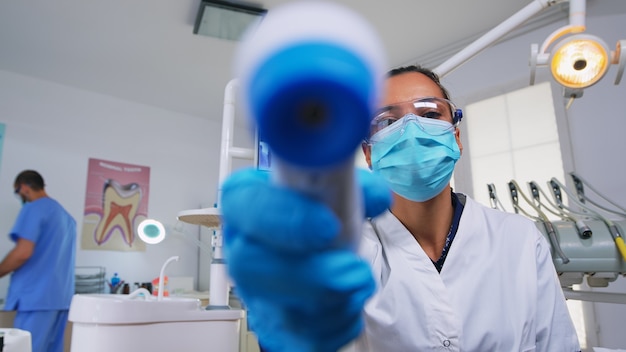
(498, 289)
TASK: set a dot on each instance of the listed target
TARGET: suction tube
(310, 77)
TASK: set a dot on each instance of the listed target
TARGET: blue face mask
(20, 198)
(417, 164)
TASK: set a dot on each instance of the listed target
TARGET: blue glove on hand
(302, 293)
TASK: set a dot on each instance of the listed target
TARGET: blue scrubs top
(46, 280)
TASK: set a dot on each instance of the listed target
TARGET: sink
(129, 323)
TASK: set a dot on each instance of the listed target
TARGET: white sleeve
(555, 330)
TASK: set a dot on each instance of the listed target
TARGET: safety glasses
(434, 115)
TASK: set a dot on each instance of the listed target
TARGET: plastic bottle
(115, 280)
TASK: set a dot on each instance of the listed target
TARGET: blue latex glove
(302, 294)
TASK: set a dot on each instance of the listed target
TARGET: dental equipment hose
(550, 231)
(578, 183)
(311, 91)
(619, 239)
(614, 229)
(583, 230)
(493, 197)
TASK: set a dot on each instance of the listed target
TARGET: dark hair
(426, 72)
(32, 178)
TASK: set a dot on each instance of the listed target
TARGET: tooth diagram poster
(116, 201)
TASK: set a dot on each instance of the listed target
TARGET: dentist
(435, 269)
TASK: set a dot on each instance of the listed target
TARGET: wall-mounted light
(151, 231)
(226, 19)
(577, 60)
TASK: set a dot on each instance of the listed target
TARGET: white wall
(596, 124)
(55, 129)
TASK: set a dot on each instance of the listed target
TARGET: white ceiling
(145, 50)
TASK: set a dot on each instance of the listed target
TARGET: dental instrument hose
(583, 230)
(310, 87)
(578, 183)
(550, 231)
(614, 229)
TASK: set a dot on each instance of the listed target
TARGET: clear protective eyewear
(434, 115)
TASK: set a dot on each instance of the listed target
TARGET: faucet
(161, 277)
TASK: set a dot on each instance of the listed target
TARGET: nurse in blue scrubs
(41, 263)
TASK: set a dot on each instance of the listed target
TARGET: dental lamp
(577, 60)
(151, 231)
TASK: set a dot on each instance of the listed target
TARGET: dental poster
(116, 201)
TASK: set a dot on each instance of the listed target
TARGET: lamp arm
(620, 59)
(493, 35)
(577, 12)
(577, 24)
(569, 29)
